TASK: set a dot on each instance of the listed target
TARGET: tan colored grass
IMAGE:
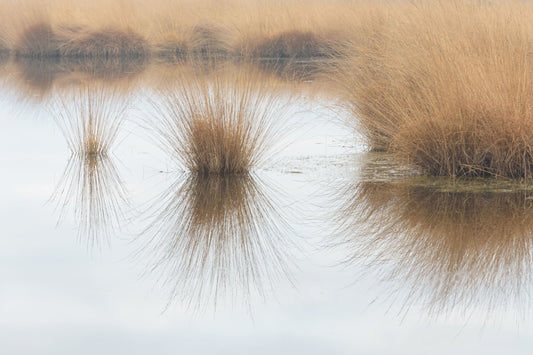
(289, 45)
(222, 122)
(169, 25)
(447, 86)
(38, 41)
(105, 43)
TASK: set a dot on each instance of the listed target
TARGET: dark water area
(111, 245)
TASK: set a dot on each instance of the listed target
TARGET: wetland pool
(324, 249)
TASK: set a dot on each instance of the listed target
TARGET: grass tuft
(220, 123)
(206, 41)
(37, 41)
(290, 45)
(106, 43)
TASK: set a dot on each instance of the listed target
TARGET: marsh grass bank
(446, 87)
(172, 29)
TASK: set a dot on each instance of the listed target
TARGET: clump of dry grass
(217, 236)
(450, 247)
(223, 122)
(447, 86)
(289, 45)
(174, 26)
(41, 40)
(105, 43)
(207, 41)
(4, 49)
(37, 41)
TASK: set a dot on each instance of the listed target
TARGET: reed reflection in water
(453, 248)
(215, 237)
(90, 119)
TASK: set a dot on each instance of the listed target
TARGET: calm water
(326, 249)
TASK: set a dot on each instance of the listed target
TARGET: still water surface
(326, 249)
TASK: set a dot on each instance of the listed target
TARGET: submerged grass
(446, 86)
(223, 122)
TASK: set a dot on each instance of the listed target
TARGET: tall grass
(223, 122)
(212, 237)
(447, 86)
(444, 248)
(169, 27)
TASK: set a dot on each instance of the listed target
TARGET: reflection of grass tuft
(91, 186)
(452, 249)
(217, 236)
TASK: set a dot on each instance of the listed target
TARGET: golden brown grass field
(444, 85)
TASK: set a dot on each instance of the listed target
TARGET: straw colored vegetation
(446, 86)
(41, 41)
(291, 44)
(108, 42)
(224, 122)
(172, 28)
